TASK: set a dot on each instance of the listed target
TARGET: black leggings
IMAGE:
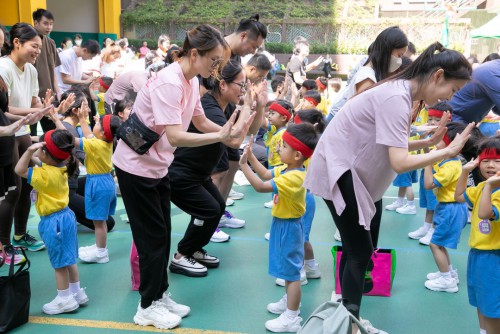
(77, 204)
(202, 200)
(357, 244)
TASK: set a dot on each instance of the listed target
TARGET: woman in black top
(192, 188)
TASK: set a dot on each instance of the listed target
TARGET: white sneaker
(86, 249)
(240, 179)
(283, 324)
(303, 279)
(407, 210)
(220, 236)
(278, 307)
(229, 202)
(156, 315)
(426, 239)
(236, 195)
(81, 297)
(201, 256)
(267, 236)
(61, 305)
(187, 266)
(420, 233)
(269, 204)
(175, 308)
(367, 325)
(437, 274)
(337, 236)
(312, 272)
(393, 206)
(93, 256)
(442, 284)
(228, 220)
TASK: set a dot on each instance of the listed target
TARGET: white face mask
(395, 63)
(78, 42)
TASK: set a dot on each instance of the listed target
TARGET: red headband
(320, 84)
(311, 100)
(55, 151)
(446, 139)
(435, 113)
(106, 127)
(281, 110)
(488, 153)
(296, 119)
(103, 84)
(297, 144)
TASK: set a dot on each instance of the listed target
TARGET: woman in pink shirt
(167, 104)
(366, 144)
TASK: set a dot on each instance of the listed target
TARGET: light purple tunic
(357, 139)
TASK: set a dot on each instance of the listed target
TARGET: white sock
(311, 263)
(482, 331)
(446, 275)
(63, 293)
(102, 251)
(291, 314)
(427, 225)
(401, 200)
(410, 203)
(74, 287)
(451, 268)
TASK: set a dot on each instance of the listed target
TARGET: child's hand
(53, 115)
(468, 167)
(64, 106)
(494, 181)
(33, 148)
(246, 153)
(83, 111)
(97, 119)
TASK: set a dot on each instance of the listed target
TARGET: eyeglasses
(243, 86)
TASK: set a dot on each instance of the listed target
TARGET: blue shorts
(286, 248)
(489, 129)
(58, 232)
(308, 217)
(428, 199)
(405, 179)
(450, 219)
(483, 280)
(100, 196)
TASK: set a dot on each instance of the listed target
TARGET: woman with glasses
(190, 174)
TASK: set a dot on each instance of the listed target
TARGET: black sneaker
(187, 266)
(207, 260)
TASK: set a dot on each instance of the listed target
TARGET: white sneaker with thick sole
(93, 256)
(81, 297)
(228, 220)
(86, 249)
(442, 284)
(337, 236)
(175, 308)
(367, 325)
(201, 256)
(278, 307)
(220, 236)
(229, 202)
(417, 234)
(437, 274)
(303, 279)
(235, 195)
(269, 204)
(283, 324)
(156, 315)
(426, 239)
(61, 305)
(187, 266)
(394, 205)
(312, 272)
(407, 210)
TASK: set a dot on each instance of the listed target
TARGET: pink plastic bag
(379, 275)
(134, 266)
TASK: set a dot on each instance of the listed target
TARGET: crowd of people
(180, 128)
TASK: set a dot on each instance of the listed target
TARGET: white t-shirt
(22, 86)
(71, 65)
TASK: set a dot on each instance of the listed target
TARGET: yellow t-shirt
(484, 234)
(97, 155)
(100, 104)
(290, 196)
(323, 105)
(51, 184)
(446, 174)
(272, 142)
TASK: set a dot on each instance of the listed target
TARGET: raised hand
(494, 181)
(66, 104)
(469, 166)
(459, 141)
(225, 131)
(33, 148)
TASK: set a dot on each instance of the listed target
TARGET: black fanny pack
(136, 135)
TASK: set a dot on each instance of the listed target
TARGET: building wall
(71, 16)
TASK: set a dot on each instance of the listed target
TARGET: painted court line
(125, 326)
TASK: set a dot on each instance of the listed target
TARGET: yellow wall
(109, 16)
(14, 11)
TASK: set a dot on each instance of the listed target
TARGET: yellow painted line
(124, 326)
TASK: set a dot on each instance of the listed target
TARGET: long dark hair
(65, 141)
(379, 53)
(22, 31)
(203, 38)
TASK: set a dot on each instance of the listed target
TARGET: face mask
(395, 63)
(78, 43)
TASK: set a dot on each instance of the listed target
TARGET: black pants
(202, 200)
(147, 202)
(77, 204)
(357, 244)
